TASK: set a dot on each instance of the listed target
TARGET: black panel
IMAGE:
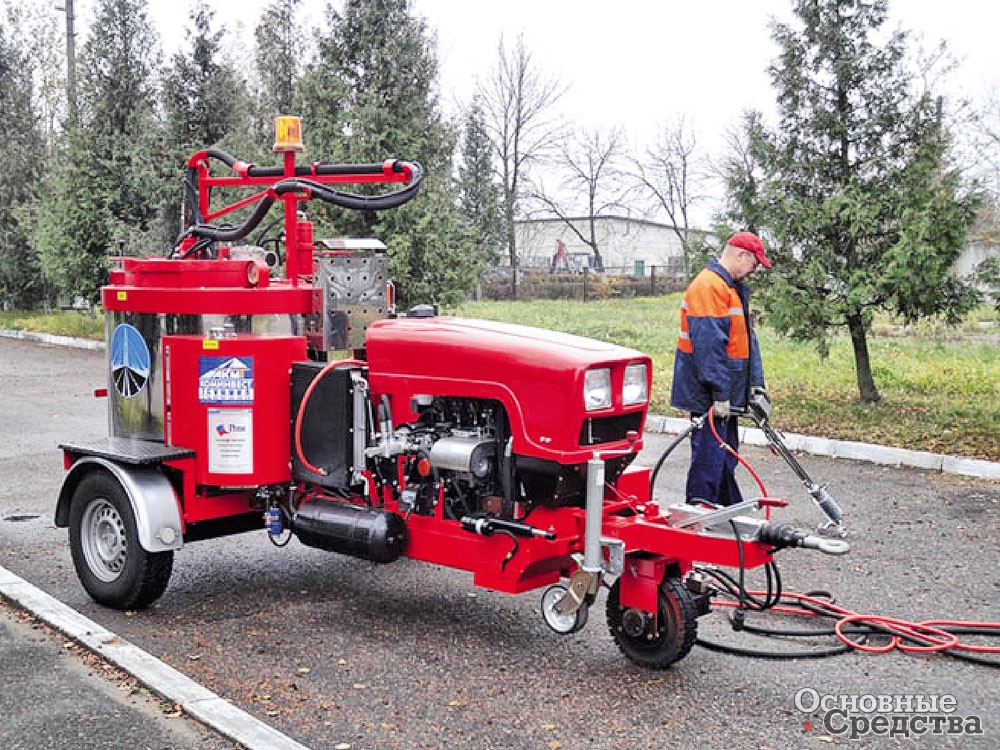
(128, 450)
(326, 440)
(599, 430)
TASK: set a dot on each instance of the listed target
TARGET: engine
(458, 453)
(453, 454)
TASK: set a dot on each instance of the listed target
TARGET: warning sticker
(225, 380)
(230, 441)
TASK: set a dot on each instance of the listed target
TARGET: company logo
(129, 361)
(225, 380)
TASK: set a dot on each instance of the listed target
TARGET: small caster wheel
(562, 624)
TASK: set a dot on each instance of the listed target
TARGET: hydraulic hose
(325, 193)
(855, 631)
(696, 422)
(729, 449)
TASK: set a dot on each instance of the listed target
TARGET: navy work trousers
(712, 474)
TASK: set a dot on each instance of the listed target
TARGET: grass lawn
(940, 386)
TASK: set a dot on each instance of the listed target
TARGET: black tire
(677, 627)
(104, 542)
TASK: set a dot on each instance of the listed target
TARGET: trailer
(272, 386)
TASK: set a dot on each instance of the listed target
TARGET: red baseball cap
(751, 243)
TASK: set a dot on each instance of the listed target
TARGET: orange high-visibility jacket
(717, 356)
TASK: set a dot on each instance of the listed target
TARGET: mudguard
(153, 499)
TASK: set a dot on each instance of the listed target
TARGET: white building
(627, 245)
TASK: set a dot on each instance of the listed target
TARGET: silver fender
(154, 502)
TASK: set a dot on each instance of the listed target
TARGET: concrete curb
(49, 338)
(197, 701)
(880, 454)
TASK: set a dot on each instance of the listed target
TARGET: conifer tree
(371, 95)
(479, 195)
(109, 178)
(22, 162)
(854, 190)
(205, 99)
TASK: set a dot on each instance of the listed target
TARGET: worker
(718, 364)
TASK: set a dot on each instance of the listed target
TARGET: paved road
(57, 696)
(337, 652)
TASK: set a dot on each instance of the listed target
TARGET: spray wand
(759, 409)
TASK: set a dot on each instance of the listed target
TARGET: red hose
(715, 433)
(900, 632)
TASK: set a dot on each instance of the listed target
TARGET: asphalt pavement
(57, 695)
(307, 649)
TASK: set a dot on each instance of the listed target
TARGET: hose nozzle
(830, 509)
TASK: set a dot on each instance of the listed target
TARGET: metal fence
(611, 283)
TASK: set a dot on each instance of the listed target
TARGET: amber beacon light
(288, 134)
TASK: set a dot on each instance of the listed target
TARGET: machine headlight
(597, 389)
(634, 389)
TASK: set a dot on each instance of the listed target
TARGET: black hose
(323, 192)
(667, 451)
(336, 197)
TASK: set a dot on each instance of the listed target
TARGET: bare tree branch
(590, 178)
(517, 101)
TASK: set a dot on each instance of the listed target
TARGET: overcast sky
(636, 63)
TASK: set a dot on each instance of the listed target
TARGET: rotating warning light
(288, 134)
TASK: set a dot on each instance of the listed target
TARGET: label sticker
(230, 441)
(225, 380)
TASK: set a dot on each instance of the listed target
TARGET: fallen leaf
(304, 670)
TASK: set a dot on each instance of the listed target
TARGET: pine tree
(109, 178)
(203, 95)
(371, 95)
(854, 189)
(22, 154)
(479, 195)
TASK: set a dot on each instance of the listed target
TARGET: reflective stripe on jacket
(717, 357)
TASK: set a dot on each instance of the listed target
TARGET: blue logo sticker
(129, 361)
(225, 380)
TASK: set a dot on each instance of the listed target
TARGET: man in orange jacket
(718, 364)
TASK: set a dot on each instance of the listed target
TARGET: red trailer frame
(303, 403)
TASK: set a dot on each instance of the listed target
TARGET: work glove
(722, 410)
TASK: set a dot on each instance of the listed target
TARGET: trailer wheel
(104, 542)
(675, 634)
